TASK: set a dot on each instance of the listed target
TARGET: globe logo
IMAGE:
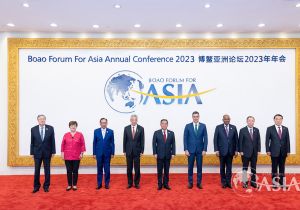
(118, 91)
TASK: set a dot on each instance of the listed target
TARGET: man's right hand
(187, 153)
(124, 154)
(217, 153)
(269, 153)
(94, 156)
(32, 156)
(241, 153)
(155, 156)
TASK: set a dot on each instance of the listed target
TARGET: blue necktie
(42, 133)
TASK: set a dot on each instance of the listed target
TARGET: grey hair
(134, 115)
(41, 115)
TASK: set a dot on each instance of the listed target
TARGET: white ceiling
(154, 16)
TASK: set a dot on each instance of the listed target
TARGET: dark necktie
(165, 136)
(279, 132)
(251, 133)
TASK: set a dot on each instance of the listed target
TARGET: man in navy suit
(249, 148)
(163, 150)
(226, 146)
(103, 151)
(195, 147)
(42, 149)
(278, 147)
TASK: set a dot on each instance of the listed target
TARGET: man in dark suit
(278, 147)
(226, 146)
(133, 148)
(42, 148)
(249, 148)
(103, 151)
(195, 147)
(163, 150)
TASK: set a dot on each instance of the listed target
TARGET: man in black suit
(163, 150)
(278, 147)
(133, 148)
(42, 148)
(249, 148)
(226, 146)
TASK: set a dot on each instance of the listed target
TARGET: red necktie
(165, 136)
(279, 132)
(133, 132)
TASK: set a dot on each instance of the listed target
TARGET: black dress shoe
(106, 187)
(274, 187)
(137, 186)
(159, 188)
(74, 188)
(199, 186)
(254, 185)
(229, 186)
(224, 186)
(46, 190)
(245, 185)
(129, 186)
(68, 188)
(35, 190)
(99, 187)
(190, 186)
(167, 187)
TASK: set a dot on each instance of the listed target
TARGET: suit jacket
(248, 146)
(195, 143)
(133, 146)
(104, 146)
(274, 144)
(226, 145)
(44, 148)
(161, 148)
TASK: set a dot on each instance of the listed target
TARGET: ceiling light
(137, 25)
(298, 5)
(95, 26)
(53, 25)
(207, 6)
(10, 25)
(261, 25)
(220, 25)
(26, 5)
(178, 25)
(117, 6)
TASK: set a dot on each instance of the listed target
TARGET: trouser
(252, 160)
(191, 161)
(163, 166)
(226, 168)
(278, 162)
(37, 169)
(133, 161)
(103, 162)
(72, 167)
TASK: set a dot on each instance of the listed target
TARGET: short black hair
(195, 112)
(73, 123)
(103, 118)
(278, 115)
(164, 120)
